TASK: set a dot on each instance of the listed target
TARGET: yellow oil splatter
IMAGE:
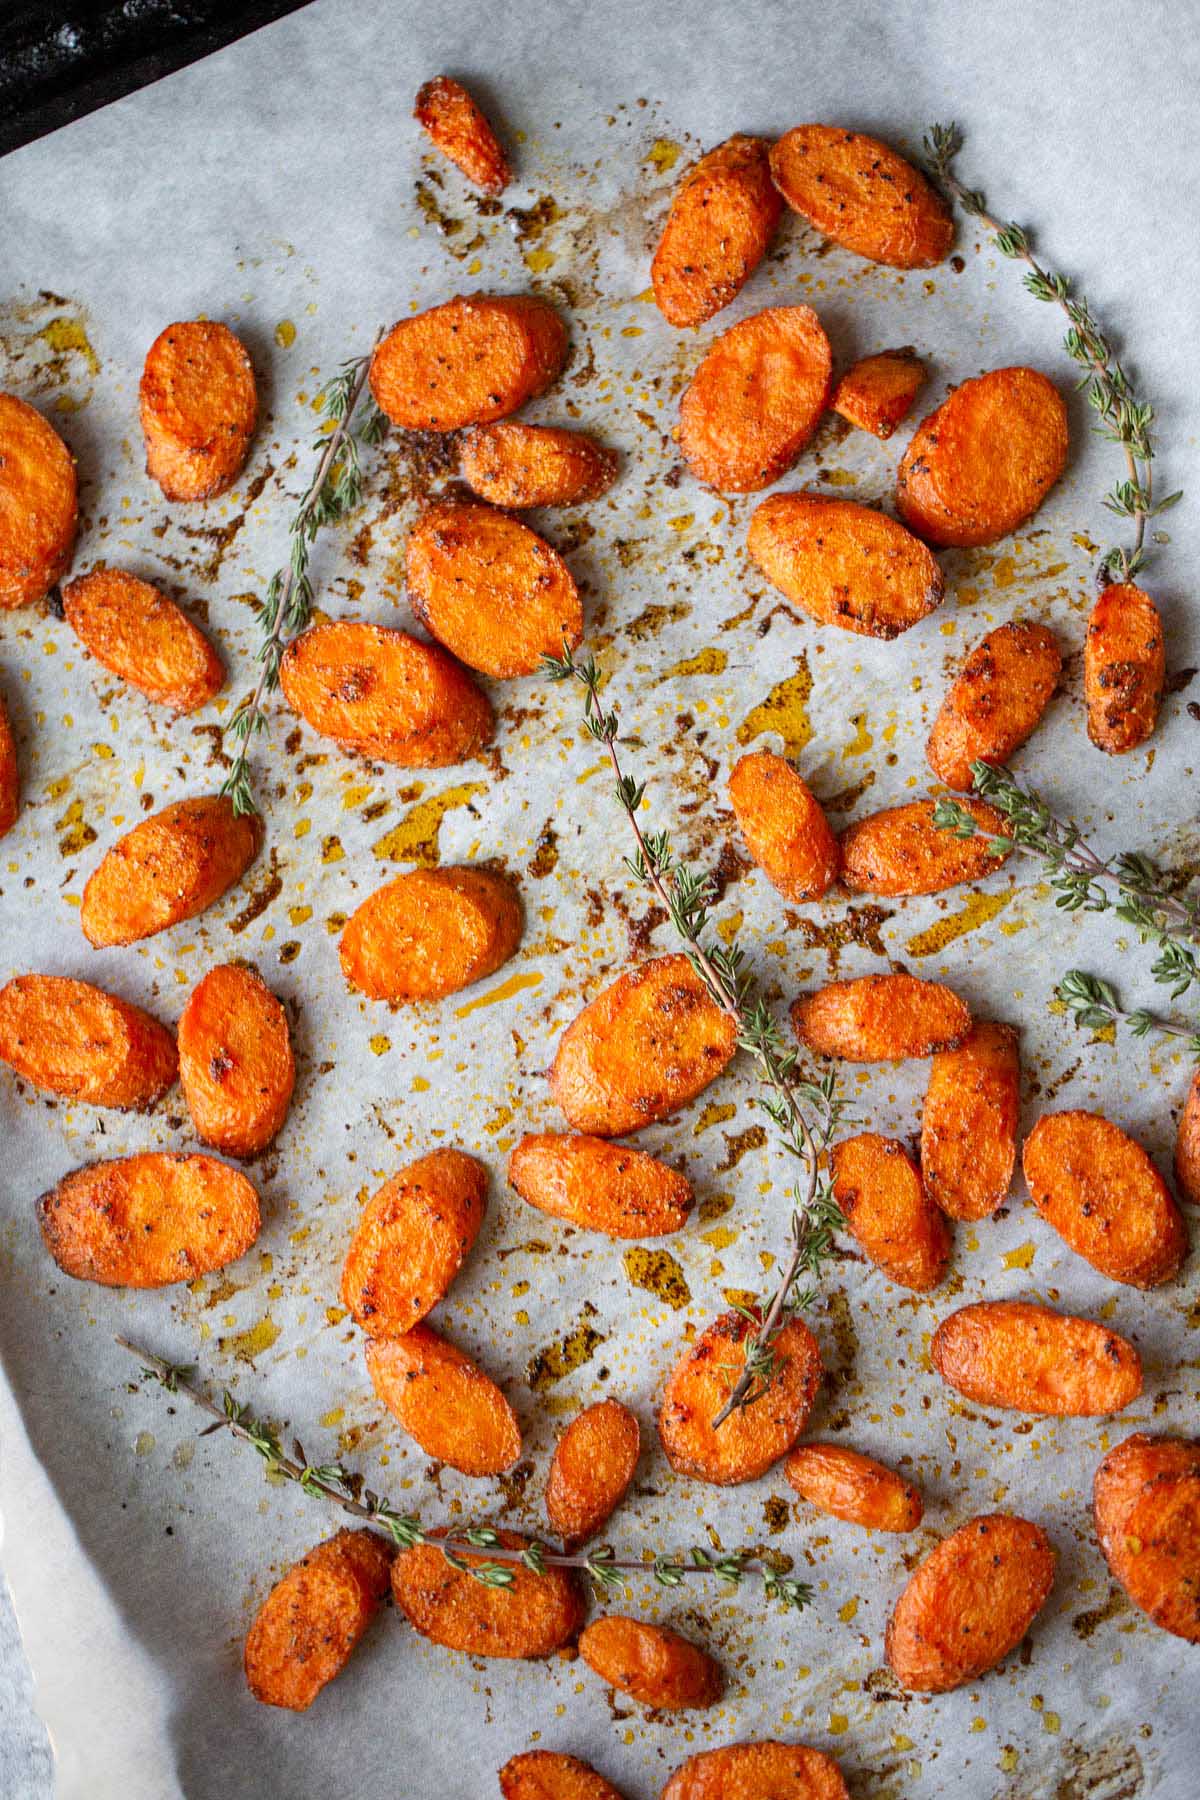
(841, 478)
(538, 261)
(380, 1045)
(299, 915)
(1008, 1760)
(68, 335)
(515, 984)
(847, 1612)
(720, 1237)
(556, 1361)
(77, 834)
(727, 929)
(1020, 1258)
(415, 838)
(256, 1339)
(715, 1113)
(285, 334)
(838, 1723)
(658, 1272)
(705, 662)
(143, 1443)
(784, 710)
(664, 154)
(977, 911)
(862, 741)
(335, 1417)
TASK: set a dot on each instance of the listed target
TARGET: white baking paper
(282, 186)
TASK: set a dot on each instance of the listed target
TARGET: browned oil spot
(739, 1144)
(67, 336)
(216, 755)
(415, 838)
(785, 710)
(659, 1273)
(845, 1337)
(260, 898)
(1085, 1623)
(219, 537)
(544, 860)
(848, 797)
(556, 1361)
(715, 1113)
(776, 1513)
(858, 925)
(513, 1485)
(651, 620)
(531, 1247)
(77, 834)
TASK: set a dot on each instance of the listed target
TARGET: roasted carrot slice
(845, 564)
(591, 1469)
(1187, 1145)
(985, 460)
(467, 362)
(901, 851)
(74, 1039)
(143, 637)
(514, 464)
(969, 1125)
(653, 1663)
(1124, 667)
(307, 1628)
(969, 1603)
(998, 697)
(534, 1616)
(854, 1487)
(757, 1771)
(458, 127)
(385, 694)
(751, 1439)
(1030, 1359)
(489, 589)
(877, 392)
(720, 224)
(863, 195)
(148, 1221)
(430, 933)
(1146, 1499)
(10, 774)
(235, 1060)
(411, 1240)
(39, 508)
(878, 1187)
(551, 1775)
(600, 1186)
(648, 1044)
(444, 1401)
(785, 830)
(199, 406)
(1099, 1190)
(175, 864)
(880, 1018)
(756, 399)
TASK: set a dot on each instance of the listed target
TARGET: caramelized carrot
(785, 830)
(1187, 1145)
(1146, 1499)
(150, 1220)
(514, 464)
(10, 774)
(863, 195)
(413, 1236)
(175, 864)
(900, 851)
(880, 1018)
(1027, 1358)
(1100, 1191)
(877, 392)
(74, 1039)
(430, 933)
(653, 1663)
(460, 130)
(143, 637)
(756, 399)
(845, 564)
(471, 360)
(533, 1616)
(752, 1438)
(444, 1401)
(998, 697)
(762, 1770)
(600, 1186)
(307, 1628)
(551, 1775)
(1124, 667)
(878, 1187)
(854, 1487)
(969, 1125)
(969, 1603)
(39, 509)
(722, 219)
(235, 1060)
(199, 406)
(591, 1469)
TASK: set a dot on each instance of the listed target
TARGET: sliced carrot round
(430, 933)
(969, 1122)
(1095, 1186)
(444, 1401)
(785, 829)
(720, 224)
(173, 865)
(850, 1486)
(532, 1616)
(143, 637)
(235, 1060)
(71, 1038)
(514, 464)
(460, 130)
(845, 564)
(39, 508)
(996, 701)
(199, 406)
(1031, 1359)
(756, 399)
(900, 851)
(1124, 668)
(412, 1238)
(471, 360)
(600, 1186)
(306, 1629)
(591, 1469)
(752, 1438)
(887, 1211)
(876, 393)
(863, 195)
(764, 1770)
(552, 1775)
(654, 1664)
(880, 1018)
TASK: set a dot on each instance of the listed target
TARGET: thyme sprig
(342, 1488)
(687, 894)
(1130, 886)
(334, 492)
(1121, 417)
(1094, 1005)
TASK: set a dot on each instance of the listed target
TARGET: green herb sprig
(1121, 417)
(686, 894)
(334, 492)
(334, 1483)
(1094, 1005)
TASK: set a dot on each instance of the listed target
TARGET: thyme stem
(336, 1484)
(1094, 1004)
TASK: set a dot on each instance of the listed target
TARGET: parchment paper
(281, 186)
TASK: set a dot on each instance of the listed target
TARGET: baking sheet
(281, 186)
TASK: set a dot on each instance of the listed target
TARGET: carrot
(150, 1220)
(652, 1663)
(969, 1123)
(534, 1616)
(845, 564)
(591, 1469)
(1187, 1145)
(756, 399)
(473, 359)
(430, 933)
(877, 392)
(763, 1770)
(307, 1628)
(10, 774)
(458, 127)
(1030, 1359)
(140, 635)
(754, 1437)
(643, 1047)
(1099, 1190)
(513, 464)
(169, 868)
(199, 406)
(235, 1060)
(721, 222)
(880, 1018)
(785, 830)
(70, 1038)
(863, 195)
(39, 508)
(854, 1487)
(1124, 668)
(1146, 1499)
(489, 589)
(878, 1187)
(600, 1186)
(998, 697)
(412, 1238)
(550, 1775)
(969, 1603)
(985, 460)
(445, 1402)
(900, 851)
(385, 694)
